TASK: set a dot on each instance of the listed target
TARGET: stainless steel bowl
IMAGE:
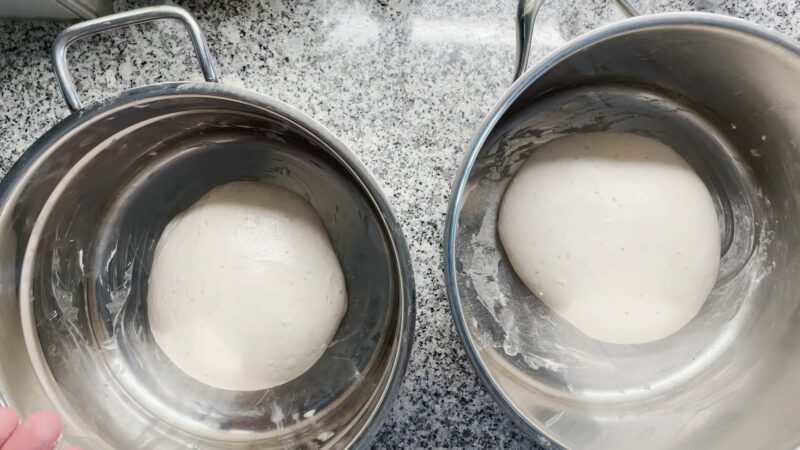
(723, 92)
(81, 213)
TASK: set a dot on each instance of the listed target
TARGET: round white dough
(246, 291)
(615, 232)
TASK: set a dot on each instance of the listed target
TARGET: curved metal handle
(629, 8)
(527, 10)
(526, 16)
(94, 26)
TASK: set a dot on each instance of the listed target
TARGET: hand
(39, 431)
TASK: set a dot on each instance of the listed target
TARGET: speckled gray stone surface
(404, 85)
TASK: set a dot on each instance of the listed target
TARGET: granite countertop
(403, 84)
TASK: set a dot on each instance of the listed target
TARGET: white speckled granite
(404, 85)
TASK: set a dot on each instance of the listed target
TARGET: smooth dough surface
(246, 291)
(615, 232)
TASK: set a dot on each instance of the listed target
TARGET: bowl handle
(94, 26)
(527, 10)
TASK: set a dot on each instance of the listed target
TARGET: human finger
(8, 423)
(39, 431)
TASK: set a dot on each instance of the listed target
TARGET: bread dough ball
(615, 233)
(245, 290)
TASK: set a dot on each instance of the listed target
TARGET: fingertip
(9, 420)
(47, 425)
(7, 414)
(39, 431)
